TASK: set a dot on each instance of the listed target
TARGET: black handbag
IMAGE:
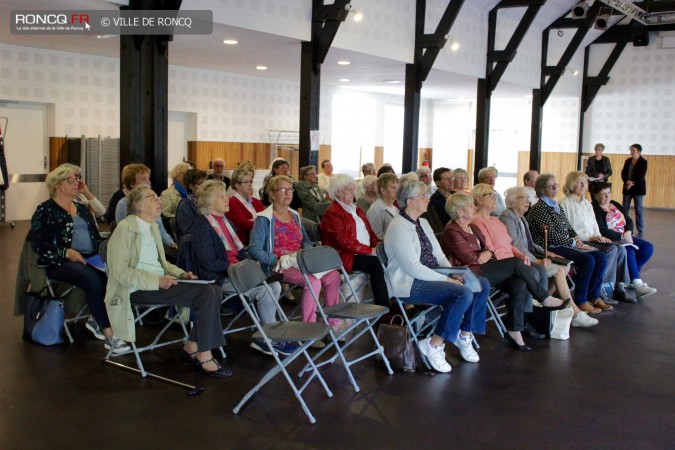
(43, 318)
(398, 346)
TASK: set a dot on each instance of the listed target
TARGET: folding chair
(494, 300)
(246, 275)
(323, 259)
(422, 324)
(156, 342)
(320, 209)
(313, 231)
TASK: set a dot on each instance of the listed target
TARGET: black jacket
(601, 218)
(638, 177)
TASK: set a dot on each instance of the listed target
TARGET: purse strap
(399, 317)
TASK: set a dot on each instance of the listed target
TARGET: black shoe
(620, 293)
(532, 332)
(220, 372)
(513, 344)
(605, 298)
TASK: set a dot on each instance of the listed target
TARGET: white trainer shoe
(117, 344)
(583, 320)
(435, 355)
(644, 290)
(465, 347)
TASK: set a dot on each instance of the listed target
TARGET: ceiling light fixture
(358, 16)
(344, 63)
(230, 42)
(580, 10)
(344, 80)
(261, 67)
(454, 45)
(392, 81)
(575, 72)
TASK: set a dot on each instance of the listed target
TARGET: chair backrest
(318, 259)
(434, 221)
(246, 275)
(103, 251)
(313, 229)
(382, 255)
(320, 209)
(112, 226)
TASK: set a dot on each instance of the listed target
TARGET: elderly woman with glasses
(614, 224)
(489, 255)
(243, 206)
(139, 272)
(345, 228)
(517, 203)
(63, 234)
(415, 268)
(309, 192)
(277, 236)
(582, 218)
(381, 213)
(551, 230)
(84, 195)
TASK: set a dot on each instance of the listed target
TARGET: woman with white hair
(172, 195)
(369, 194)
(383, 210)
(517, 203)
(139, 272)
(345, 228)
(415, 269)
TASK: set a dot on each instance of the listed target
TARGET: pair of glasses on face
(491, 195)
(73, 180)
(151, 196)
(284, 190)
(553, 186)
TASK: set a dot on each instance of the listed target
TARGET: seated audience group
(526, 245)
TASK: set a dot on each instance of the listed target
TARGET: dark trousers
(370, 265)
(204, 303)
(589, 269)
(521, 282)
(91, 281)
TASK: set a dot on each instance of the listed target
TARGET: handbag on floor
(554, 324)
(43, 318)
(398, 346)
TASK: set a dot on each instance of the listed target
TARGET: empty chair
(247, 275)
(313, 262)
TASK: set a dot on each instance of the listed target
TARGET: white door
(27, 153)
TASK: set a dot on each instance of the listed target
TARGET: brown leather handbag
(398, 346)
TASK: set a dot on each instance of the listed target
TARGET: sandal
(220, 372)
(188, 358)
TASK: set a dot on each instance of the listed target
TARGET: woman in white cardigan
(414, 258)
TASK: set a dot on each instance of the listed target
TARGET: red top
(287, 237)
(338, 230)
(241, 217)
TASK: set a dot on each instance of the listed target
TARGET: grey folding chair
(323, 259)
(320, 209)
(246, 275)
(175, 316)
(423, 323)
(313, 230)
(494, 305)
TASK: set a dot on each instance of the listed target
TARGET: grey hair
(483, 173)
(407, 189)
(368, 181)
(512, 193)
(63, 172)
(457, 202)
(412, 176)
(542, 183)
(338, 182)
(135, 198)
(423, 170)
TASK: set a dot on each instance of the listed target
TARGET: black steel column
(310, 85)
(535, 136)
(483, 98)
(411, 118)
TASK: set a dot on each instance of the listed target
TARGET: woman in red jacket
(243, 206)
(345, 228)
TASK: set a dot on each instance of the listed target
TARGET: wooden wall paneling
(203, 152)
(469, 165)
(324, 153)
(57, 151)
(425, 154)
(292, 156)
(379, 157)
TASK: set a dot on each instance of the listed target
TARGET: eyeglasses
(553, 186)
(72, 180)
(284, 190)
(491, 195)
(152, 196)
(520, 198)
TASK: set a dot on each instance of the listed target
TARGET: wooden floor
(607, 387)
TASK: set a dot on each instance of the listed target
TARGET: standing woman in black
(634, 185)
(598, 167)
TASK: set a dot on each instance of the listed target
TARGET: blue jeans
(462, 309)
(589, 269)
(639, 217)
(638, 258)
(91, 281)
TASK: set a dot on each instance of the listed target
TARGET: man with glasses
(218, 166)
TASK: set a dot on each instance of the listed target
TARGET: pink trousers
(331, 291)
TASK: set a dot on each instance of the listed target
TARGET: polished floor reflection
(607, 387)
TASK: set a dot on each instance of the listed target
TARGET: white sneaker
(644, 290)
(117, 344)
(94, 328)
(465, 347)
(436, 356)
(583, 320)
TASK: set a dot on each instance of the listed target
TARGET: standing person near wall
(598, 167)
(634, 185)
